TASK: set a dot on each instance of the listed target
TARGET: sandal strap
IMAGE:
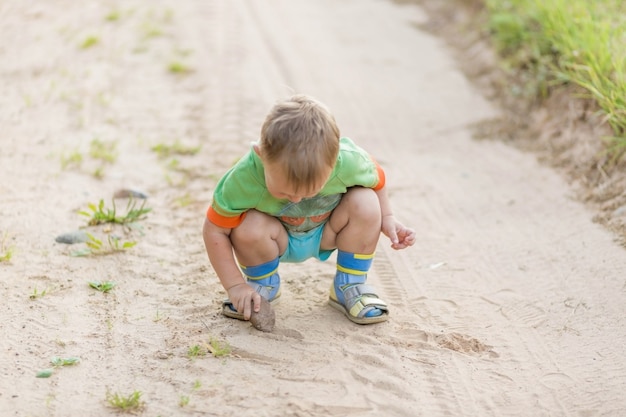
(268, 287)
(261, 289)
(357, 290)
(360, 299)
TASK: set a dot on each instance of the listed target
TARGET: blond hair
(302, 136)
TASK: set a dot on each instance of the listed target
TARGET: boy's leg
(354, 229)
(258, 242)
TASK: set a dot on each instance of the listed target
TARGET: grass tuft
(89, 42)
(568, 42)
(125, 403)
(6, 251)
(99, 214)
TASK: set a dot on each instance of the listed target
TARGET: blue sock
(354, 263)
(260, 271)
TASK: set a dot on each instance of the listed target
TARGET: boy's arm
(220, 251)
(400, 236)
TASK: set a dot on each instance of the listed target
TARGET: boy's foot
(357, 301)
(268, 288)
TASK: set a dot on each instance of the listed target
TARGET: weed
(177, 67)
(158, 316)
(575, 42)
(104, 151)
(173, 164)
(98, 172)
(219, 349)
(89, 42)
(96, 247)
(196, 351)
(102, 286)
(37, 294)
(184, 200)
(113, 16)
(100, 214)
(6, 251)
(44, 373)
(73, 159)
(177, 148)
(57, 362)
(151, 31)
(184, 400)
(128, 403)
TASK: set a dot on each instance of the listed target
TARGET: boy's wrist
(235, 285)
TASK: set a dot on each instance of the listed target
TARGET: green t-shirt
(243, 188)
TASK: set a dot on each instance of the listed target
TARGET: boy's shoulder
(247, 169)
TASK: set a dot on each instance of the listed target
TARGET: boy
(300, 192)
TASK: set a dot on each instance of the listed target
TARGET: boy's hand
(401, 237)
(244, 299)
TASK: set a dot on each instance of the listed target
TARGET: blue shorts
(303, 246)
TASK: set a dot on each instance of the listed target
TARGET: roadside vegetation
(558, 42)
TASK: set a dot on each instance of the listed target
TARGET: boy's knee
(254, 228)
(363, 203)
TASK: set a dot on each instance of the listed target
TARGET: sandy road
(510, 304)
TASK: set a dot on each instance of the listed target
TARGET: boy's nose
(295, 199)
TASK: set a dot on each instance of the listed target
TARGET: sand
(511, 303)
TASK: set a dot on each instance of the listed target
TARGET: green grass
(99, 151)
(196, 351)
(38, 294)
(164, 150)
(102, 286)
(57, 362)
(89, 42)
(184, 400)
(577, 42)
(215, 347)
(99, 214)
(6, 251)
(113, 16)
(74, 159)
(184, 201)
(219, 348)
(177, 67)
(125, 403)
(104, 151)
(95, 246)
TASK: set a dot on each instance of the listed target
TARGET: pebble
(129, 193)
(265, 319)
(78, 236)
(620, 211)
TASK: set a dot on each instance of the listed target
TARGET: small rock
(163, 355)
(78, 236)
(128, 193)
(620, 211)
(265, 319)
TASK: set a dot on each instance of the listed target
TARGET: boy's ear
(257, 149)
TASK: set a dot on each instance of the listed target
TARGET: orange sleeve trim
(381, 177)
(223, 221)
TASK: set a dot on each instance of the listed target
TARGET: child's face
(278, 186)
